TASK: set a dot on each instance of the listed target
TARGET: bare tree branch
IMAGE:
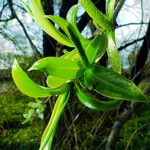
(141, 57)
(118, 7)
(23, 27)
(1, 13)
(132, 23)
(130, 43)
(114, 134)
(10, 38)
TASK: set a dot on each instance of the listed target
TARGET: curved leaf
(88, 79)
(113, 53)
(113, 85)
(26, 7)
(96, 48)
(61, 22)
(72, 14)
(73, 56)
(72, 19)
(44, 23)
(96, 15)
(102, 21)
(110, 6)
(55, 81)
(93, 103)
(59, 67)
(30, 88)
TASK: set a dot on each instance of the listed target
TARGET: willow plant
(82, 73)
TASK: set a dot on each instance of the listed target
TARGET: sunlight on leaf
(113, 53)
(97, 47)
(110, 6)
(59, 67)
(37, 13)
(55, 81)
(96, 14)
(113, 85)
(30, 88)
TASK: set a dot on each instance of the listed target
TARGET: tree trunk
(49, 44)
(141, 58)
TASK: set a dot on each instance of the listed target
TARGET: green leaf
(113, 53)
(26, 7)
(61, 22)
(88, 79)
(91, 102)
(102, 21)
(73, 56)
(97, 16)
(72, 14)
(40, 3)
(78, 45)
(55, 81)
(52, 125)
(110, 6)
(30, 88)
(59, 67)
(45, 25)
(97, 48)
(72, 19)
(113, 85)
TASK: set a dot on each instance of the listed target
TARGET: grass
(14, 135)
(79, 128)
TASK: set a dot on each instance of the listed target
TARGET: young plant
(77, 70)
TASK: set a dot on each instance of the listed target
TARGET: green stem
(75, 39)
(49, 132)
(49, 144)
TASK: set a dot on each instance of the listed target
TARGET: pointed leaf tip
(54, 66)
(30, 88)
(33, 67)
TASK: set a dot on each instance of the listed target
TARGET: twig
(114, 134)
(118, 7)
(132, 23)
(131, 43)
(23, 28)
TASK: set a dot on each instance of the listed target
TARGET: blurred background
(23, 119)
